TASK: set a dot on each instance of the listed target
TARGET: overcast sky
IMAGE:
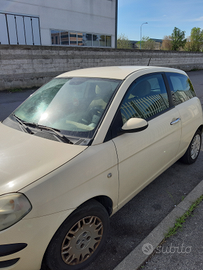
(162, 16)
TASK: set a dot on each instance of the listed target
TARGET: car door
(143, 155)
(188, 105)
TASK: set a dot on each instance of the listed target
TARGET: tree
(147, 43)
(178, 39)
(196, 39)
(123, 42)
(188, 45)
(167, 43)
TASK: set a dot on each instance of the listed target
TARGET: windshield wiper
(23, 125)
(56, 132)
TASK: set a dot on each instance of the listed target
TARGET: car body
(79, 149)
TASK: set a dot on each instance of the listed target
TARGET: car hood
(25, 158)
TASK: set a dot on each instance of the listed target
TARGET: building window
(102, 40)
(80, 39)
(96, 40)
(64, 38)
(55, 37)
(108, 41)
(60, 37)
(73, 39)
(19, 29)
(88, 40)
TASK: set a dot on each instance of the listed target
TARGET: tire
(79, 239)
(193, 150)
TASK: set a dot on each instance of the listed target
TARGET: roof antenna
(149, 61)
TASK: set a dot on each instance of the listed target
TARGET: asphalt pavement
(137, 230)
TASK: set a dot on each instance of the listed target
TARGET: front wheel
(193, 150)
(79, 239)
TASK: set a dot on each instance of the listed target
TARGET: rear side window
(181, 87)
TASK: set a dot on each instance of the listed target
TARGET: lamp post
(141, 32)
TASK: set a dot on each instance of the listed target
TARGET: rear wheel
(79, 239)
(193, 150)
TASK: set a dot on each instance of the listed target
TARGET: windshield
(72, 105)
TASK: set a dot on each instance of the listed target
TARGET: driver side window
(145, 98)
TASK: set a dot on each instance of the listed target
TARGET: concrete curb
(136, 258)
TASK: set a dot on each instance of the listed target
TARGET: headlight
(13, 207)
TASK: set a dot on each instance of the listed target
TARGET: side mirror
(134, 125)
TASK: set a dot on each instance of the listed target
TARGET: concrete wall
(32, 66)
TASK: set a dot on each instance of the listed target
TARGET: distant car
(80, 148)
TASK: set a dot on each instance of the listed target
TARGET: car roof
(114, 72)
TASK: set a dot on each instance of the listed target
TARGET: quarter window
(181, 87)
(146, 97)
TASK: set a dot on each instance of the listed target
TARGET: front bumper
(10, 249)
(23, 245)
(6, 264)
(6, 250)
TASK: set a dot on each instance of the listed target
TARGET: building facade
(89, 23)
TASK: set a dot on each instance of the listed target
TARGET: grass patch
(196, 69)
(182, 219)
(15, 90)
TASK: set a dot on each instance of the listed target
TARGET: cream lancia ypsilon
(75, 152)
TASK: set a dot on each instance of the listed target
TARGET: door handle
(175, 121)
